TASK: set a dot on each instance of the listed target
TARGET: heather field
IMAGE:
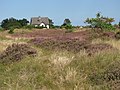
(42, 59)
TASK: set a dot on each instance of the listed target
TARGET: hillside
(52, 59)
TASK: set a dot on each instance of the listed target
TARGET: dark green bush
(11, 31)
(29, 27)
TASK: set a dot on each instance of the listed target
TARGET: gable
(39, 20)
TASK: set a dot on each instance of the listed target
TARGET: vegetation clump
(95, 48)
(107, 35)
(69, 44)
(13, 23)
(110, 76)
(103, 23)
(16, 52)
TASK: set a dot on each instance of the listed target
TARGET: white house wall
(47, 26)
(42, 25)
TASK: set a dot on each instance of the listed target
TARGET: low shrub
(11, 31)
(69, 44)
(69, 31)
(110, 76)
(1, 29)
(95, 48)
(28, 27)
(16, 52)
(104, 35)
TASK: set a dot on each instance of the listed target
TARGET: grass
(57, 70)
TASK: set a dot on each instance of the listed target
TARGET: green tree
(100, 22)
(66, 22)
(23, 22)
(4, 23)
(67, 25)
(13, 23)
(51, 23)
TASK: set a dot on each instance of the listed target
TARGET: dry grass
(61, 70)
(60, 59)
(114, 43)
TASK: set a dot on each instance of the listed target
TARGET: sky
(57, 10)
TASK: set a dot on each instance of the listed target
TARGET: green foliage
(23, 22)
(29, 27)
(52, 27)
(66, 22)
(1, 29)
(11, 31)
(57, 27)
(101, 22)
(68, 26)
(13, 23)
(56, 71)
(69, 30)
(51, 23)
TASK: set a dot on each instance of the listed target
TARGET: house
(40, 21)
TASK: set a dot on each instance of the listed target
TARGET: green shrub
(11, 31)
(29, 27)
(104, 23)
(1, 29)
(68, 26)
(69, 31)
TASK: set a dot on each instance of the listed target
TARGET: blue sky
(76, 10)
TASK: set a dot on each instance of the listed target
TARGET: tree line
(13, 23)
(99, 21)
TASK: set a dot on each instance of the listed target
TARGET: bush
(1, 29)
(107, 35)
(68, 26)
(16, 52)
(73, 45)
(69, 31)
(95, 48)
(110, 76)
(104, 23)
(11, 31)
(29, 27)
